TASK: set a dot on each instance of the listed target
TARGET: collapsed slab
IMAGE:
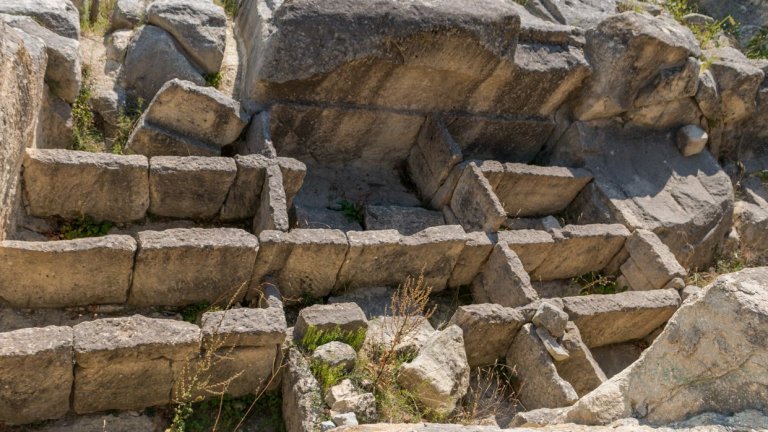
(66, 273)
(503, 280)
(186, 266)
(613, 318)
(488, 329)
(74, 184)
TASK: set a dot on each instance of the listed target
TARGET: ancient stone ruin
(391, 215)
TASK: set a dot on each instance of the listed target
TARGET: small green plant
(192, 313)
(97, 21)
(316, 337)
(85, 135)
(354, 211)
(723, 265)
(596, 283)
(706, 34)
(83, 228)
(757, 47)
(763, 176)
(327, 376)
(230, 6)
(126, 123)
(213, 79)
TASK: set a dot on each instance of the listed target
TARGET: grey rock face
(302, 406)
(347, 317)
(59, 16)
(336, 354)
(244, 327)
(128, 14)
(581, 369)
(503, 280)
(406, 220)
(488, 330)
(54, 127)
(551, 318)
(244, 196)
(581, 13)
(475, 204)
(198, 26)
(651, 264)
(691, 140)
(144, 76)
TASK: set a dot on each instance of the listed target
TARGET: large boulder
(579, 13)
(712, 357)
(199, 27)
(59, 16)
(144, 75)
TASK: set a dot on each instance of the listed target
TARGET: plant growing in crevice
(85, 136)
(230, 6)
(97, 21)
(213, 79)
(83, 228)
(126, 123)
(315, 337)
(354, 211)
(597, 283)
(757, 47)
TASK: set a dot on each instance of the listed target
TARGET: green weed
(327, 376)
(316, 337)
(596, 283)
(230, 6)
(83, 228)
(192, 313)
(97, 22)
(354, 211)
(757, 47)
(126, 122)
(85, 135)
(213, 79)
(706, 35)
(763, 176)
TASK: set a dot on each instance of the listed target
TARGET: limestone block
(528, 190)
(273, 209)
(476, 250)
(374, 301)
(444, 193)
(503, 280)
(539, 385)
(614, 318)
(474, 202)
(58, 16)
(691, 140)
(531, 246)
(179, 267)
(75, 184)
(130, 363)
(151, 140)
(301, 394)
(653, 258)
(432, 158)
(336, 354)
(381, 258)
(244, 196)
(551, 318)
(633, 277)
(581, 13)
(581, 249)
(127, 14)
(383, 329)
(189, 187)
(245, 369)
(55, 122)
(243, 327)
(36, 371)
(406, 220)
(293, 171)
(347, 317)
(66, 273)
(580, 369)
(488, 329)
(344, 397)
(199, 27)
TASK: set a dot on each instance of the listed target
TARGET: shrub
(316, 337)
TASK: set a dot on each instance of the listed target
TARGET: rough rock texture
(475, 204)
(488, 329)
(151, 140)
(55, 123)
(607, 319)
(273, 207)
(347, 317)
(301, 395)
(244, 327)
(439, 375)
(382, 329)
(189, 187)
(503, 280)
(551, 318)
(66, 273)
(651, 265)
(128, 14)
(144, 76)
(433, 156)
(198, 26)
(75, 184)
(336, 354)
(59, 16)
(580, 369)
(538, 385)
(345, 398)
(406, 220)
(26, 394)
(187, 266)
(244, 196)
(710, 357)
(477, 248)
(23, 67)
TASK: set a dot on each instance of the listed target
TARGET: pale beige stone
(244, 196)
(488, 330)
(474, 202)
(273, 209)
(503, 280)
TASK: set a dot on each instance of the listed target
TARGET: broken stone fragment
(346, 317)
(503, 280)
(336, 354)
(488, 330)
(552, 346)
(345, 398)
(691, 140)
(551, 318)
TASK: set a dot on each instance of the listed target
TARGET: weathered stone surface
(311, 265)
(751, 222)
(608, 319)
(475, 204)
(244, 196)
(503, 280)
(374, 301)
(581, 13)
(301, 395)
(382, 330)
(439, 375)
(151, 140)
(380, 258)
(58, 16)
(630, 54)
(66, 273)
(323, 218)
(245, 370)
(538, 385)
(580, 249)
(122, 422)
(476, 250)
(201, 113)
(346, 419)
(553, 347)
(55, 123)
(406, 220)
(199, 27)
(615, 358)
(433, 157)
(185, 266)
(189, 187)
(129, 363)
(26, 394)
(551, 318)
(347, 317)
(75, 184)
(272, 213)
(127, 14)
(653, 259)
(531, 246)
(294, 171)
(244, 327)
(580, 369)
(488, 329)
(691, 140)
(696, 365)
(336, 354)
(737, 82)
(528, 190)
(62, 72)
(143, 76)
(498, 138)
(344, 397)
(642, 181)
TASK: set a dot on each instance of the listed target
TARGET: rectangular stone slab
(433, 157)
(245, 370)
(152, 140)
(614, 318)
(489, 330)
(503, 280)
(475, 204)
(531, 246)
(74, 184)
(475, 253)
(529, 190)
(273, 208)
(179, 267)
(130, 363)
(244, 196)
(66, 273)
(380, 258)
(242, 327)
(192, 187)
(36, 374)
